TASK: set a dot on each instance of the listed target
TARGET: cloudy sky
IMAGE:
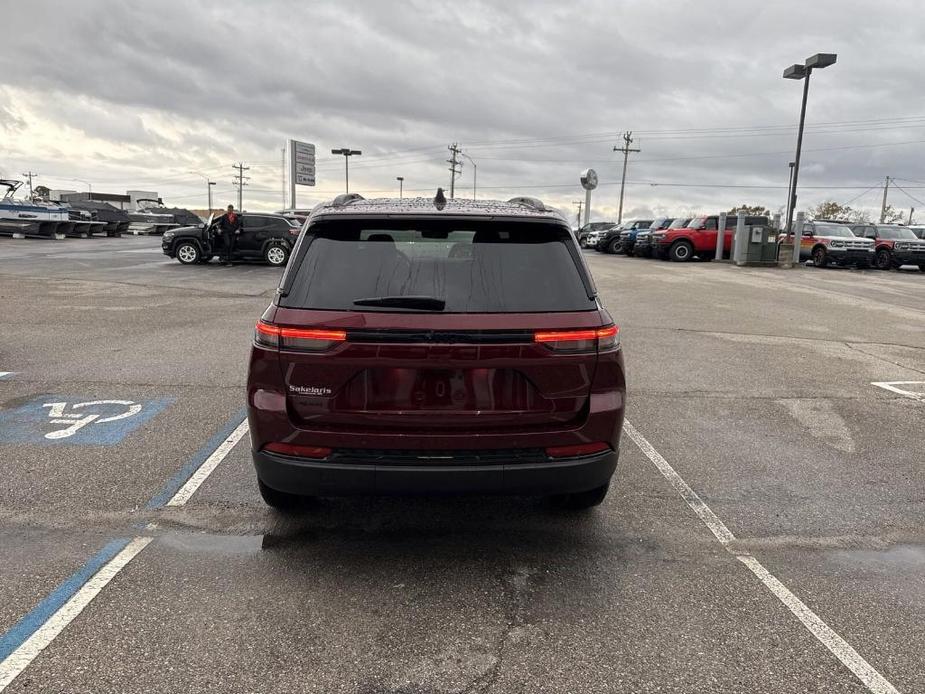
(139, 94)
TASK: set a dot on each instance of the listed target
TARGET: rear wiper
(425, 303)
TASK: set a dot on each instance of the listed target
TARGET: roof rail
(346, 199)
(535, 203)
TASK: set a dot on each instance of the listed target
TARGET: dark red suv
(420, 346)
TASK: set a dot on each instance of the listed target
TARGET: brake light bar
(315, 452)
(311, 339)
(584, 340)
(577, 450)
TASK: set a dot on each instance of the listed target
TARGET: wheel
(614, 246)
(281, 501)
(884, 259)
(681, 251)
(276, 255)
(581, 500)
(188, 253)
(820, 257)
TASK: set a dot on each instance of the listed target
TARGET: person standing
(229, 226)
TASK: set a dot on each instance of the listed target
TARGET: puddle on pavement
(897, 559)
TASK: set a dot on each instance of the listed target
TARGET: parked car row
(824, 241)
(676, 238)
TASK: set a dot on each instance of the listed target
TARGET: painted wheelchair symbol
(78, 420)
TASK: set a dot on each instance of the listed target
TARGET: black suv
(267, 237)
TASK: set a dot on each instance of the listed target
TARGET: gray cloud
(165, 88)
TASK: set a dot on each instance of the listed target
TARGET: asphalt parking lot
(763, 531)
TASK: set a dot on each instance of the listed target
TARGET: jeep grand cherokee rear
(422, 348)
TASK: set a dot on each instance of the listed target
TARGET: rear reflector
(316, 452)
(310, 339)
(586, 340)
(577, 450)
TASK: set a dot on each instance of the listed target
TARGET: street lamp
(89, 187)
(209, 184)
(347, 152)
(802, 72)
(475, 173)
(401, 186)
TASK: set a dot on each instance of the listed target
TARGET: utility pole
(29, 175)
(579, 203)
(401, 186)
(240, 180)
(911, 212)
(454, 163)
(627, 141)
(886, 188)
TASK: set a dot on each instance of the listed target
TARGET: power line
(911, 197)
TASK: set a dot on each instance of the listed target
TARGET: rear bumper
(322, 478)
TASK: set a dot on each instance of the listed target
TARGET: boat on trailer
(115, 222)
(52, 219)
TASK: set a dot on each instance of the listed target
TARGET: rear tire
(681, 251)
(580, 501)
(281, 501)
(884, 259)
(188, 253)
(276, 255)
(820, 257)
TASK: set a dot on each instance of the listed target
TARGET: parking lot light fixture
(401, 186)
(347, 152)
(802, 72)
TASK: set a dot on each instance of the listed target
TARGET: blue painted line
(42, 612)
(178, 480)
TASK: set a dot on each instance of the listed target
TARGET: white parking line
(49, 626)
(912, 394)
(20, 659)
(208, 466)
(840, 648)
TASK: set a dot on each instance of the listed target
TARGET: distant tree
(751, 210)
(891, 215)
(830, 209)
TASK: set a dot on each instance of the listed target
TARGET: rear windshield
(471, 266)
(895, 233)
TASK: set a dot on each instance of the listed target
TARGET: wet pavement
(755, 386)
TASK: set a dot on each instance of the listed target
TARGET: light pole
(347, 152)
(475, 174)
(789, 192)
(89, 187)
(209, 184)
(802, 72)
(401, 186)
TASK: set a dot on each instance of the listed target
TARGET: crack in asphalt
(854, 348)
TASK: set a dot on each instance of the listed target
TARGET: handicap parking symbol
(53, 420)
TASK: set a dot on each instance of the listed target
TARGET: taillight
(316, 452)
(308, 339)
(577, 450)
(579, 340)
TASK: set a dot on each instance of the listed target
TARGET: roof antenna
(439, 199)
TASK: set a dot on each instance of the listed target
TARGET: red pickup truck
(698, 238)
